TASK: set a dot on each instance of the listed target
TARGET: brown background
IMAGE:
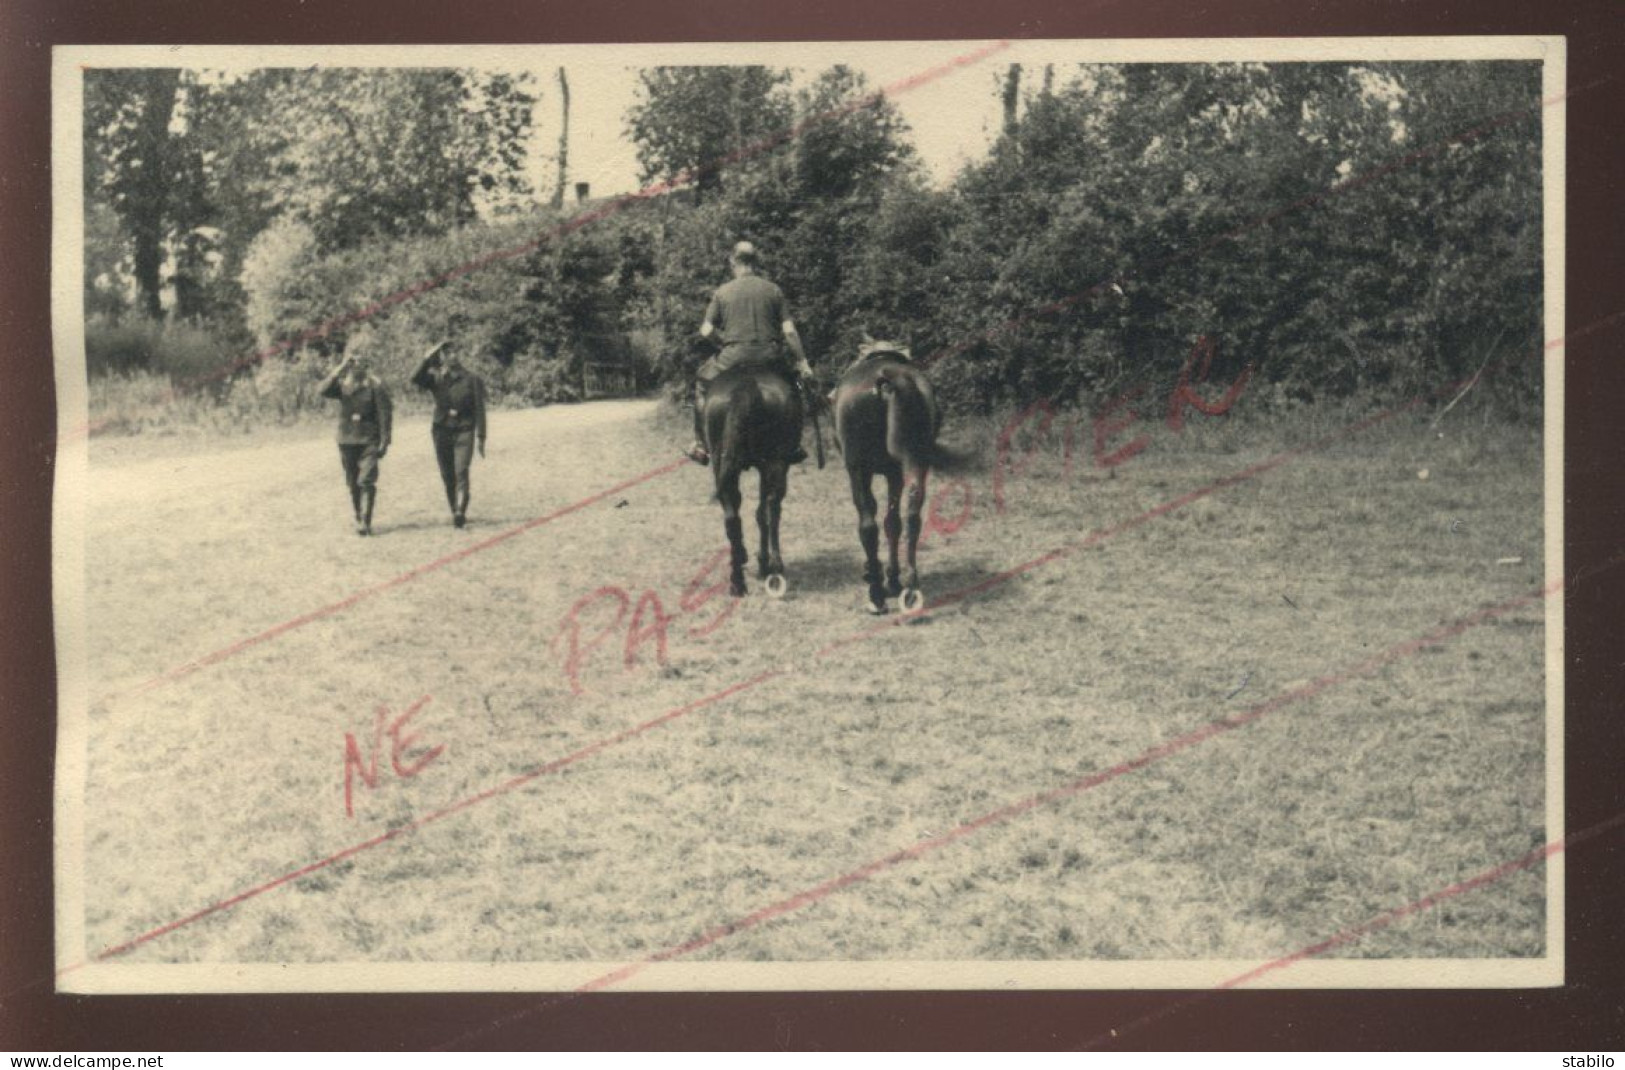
(1588, 1014)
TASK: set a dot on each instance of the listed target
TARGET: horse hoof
(873, 608)
(913, 599)
(894, 588)
(776, 585)
(737, 590)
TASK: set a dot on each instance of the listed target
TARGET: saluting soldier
(459, 420)
(365, 423)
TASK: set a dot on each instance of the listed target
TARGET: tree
(388, 153)
(129, 159)
(1468, 258)
(1142, 206)
(851, 150)
(1010, 97)
(691, 124)
(564, 140)
(195, 164)
(849, 139)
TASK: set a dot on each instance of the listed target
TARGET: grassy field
(1318, 816)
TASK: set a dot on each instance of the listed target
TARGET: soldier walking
(459, 421)
(365, 419)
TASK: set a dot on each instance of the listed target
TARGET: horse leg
(773, 492)
(869, 535)
(894, 529)
(763, 542)
(730, 498)
(915, 481)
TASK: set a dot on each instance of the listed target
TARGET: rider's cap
(744, 251)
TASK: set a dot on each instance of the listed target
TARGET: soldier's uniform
(459, 420)
(366, 419)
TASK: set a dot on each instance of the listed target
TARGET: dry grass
(1317, 817)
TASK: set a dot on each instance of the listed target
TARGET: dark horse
(752, 419)
(886, 420)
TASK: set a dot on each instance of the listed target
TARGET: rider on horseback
(748, 317)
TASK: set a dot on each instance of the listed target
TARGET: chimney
(582, 190)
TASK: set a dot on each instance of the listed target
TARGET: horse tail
(731, 450)
(912, 420)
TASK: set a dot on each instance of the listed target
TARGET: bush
(119, 347)
(279, 389)
(536, 302)
(191, 358)
(538, 380)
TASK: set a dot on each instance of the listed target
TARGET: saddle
(874, 347)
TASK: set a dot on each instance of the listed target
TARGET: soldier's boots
(697, 452)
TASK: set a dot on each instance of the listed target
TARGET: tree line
(1337, 227)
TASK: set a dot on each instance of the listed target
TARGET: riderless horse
(752, 419)
(886, 422)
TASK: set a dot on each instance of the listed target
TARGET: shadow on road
(829, 571)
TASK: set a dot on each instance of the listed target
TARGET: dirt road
(253, 529)
(119, 482)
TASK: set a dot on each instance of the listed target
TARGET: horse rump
(752, 420)
(886, 419)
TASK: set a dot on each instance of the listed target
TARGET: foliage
(190, 358)
(107, 265)
(132, 162)
(197, 164)
(694, 124)
(386, 153)
(1273, 209)
(1342, 229)
(275, 276)
(1328, 224)
(528, 300)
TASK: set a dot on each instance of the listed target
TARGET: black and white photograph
(983, 514)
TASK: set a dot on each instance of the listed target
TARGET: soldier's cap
(745, 251)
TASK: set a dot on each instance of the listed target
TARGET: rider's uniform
(748, 315)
